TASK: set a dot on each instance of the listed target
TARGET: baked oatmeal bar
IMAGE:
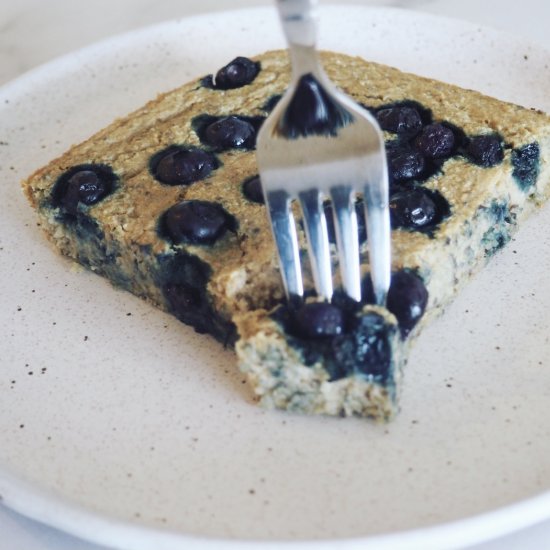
(167, 204)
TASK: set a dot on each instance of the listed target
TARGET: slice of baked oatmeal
(166, 203)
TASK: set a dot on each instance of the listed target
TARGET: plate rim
(39, 504)
(45, 68)
(59, 512)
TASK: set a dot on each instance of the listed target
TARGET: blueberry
(407, 299)
(182, 297)
(230, 132)
(195, 222)
(183, 279)
(252, 189)
(485, 150)
(312, 111)
(526, 163)
(404, 163)
(185, 303)
(181, 166)
(237, 73)
(85, 185)
(319, 320)
(182, 268)
(435, 141)
(361, 222)
(399, 119)
(366, 349)
(412, 208)
(189, 304)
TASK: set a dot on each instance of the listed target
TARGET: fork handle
(299, 20)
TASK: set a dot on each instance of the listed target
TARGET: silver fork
(318, 144)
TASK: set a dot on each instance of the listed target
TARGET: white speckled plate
(123, 427)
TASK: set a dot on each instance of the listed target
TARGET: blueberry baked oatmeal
(166, 203)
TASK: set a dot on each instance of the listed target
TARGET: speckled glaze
(124, 427)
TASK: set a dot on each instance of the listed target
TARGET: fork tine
(377, 216)
(347, 238)
(317, 241)
(286, 239)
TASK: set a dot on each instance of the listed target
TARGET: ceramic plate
(124, 427)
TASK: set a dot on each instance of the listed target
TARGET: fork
(318, 145)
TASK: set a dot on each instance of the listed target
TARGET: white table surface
(35, 31)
